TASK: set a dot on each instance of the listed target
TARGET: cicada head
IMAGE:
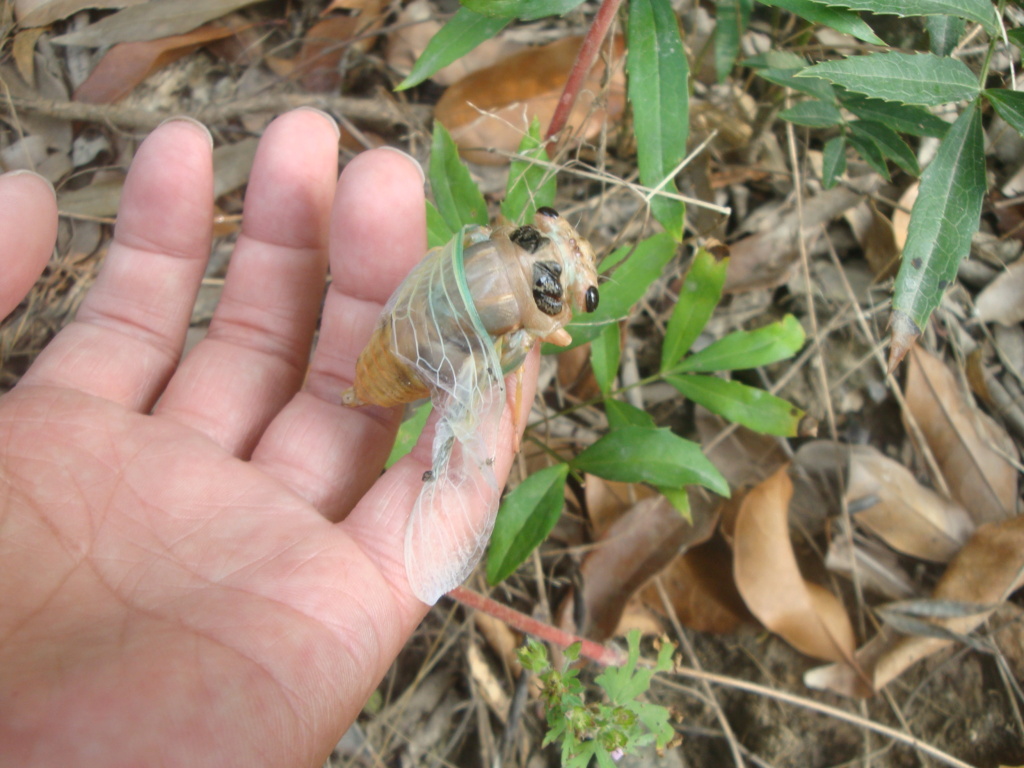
(579, 263)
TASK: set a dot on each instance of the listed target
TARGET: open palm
(199, 560)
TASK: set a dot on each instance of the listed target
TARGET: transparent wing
(438, 333)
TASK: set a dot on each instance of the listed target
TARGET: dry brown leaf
(875, 234)
(805, 615)
(126, 65)
(329, 40)
(41, 13)
(23, 50)
(901, 216)
(487, 684)
(608, 500)
(909, 517)
(576, 375)
(492, 108)
(970, 448)
(100, 198)
(1000, 301)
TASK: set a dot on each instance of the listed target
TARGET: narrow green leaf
(833, 164)
(409, 433)
(902, 118)
(659, 92)
(944, 32)
(752, 407)
(1009, 105)
(1016, 36)
(622, 414)
(838, 18)
(870, 152)
(731, 20)
(944, 218)
(527, 10)
(530, 186)
(680, 499)
(463, 32)
(910, 78)
(525, 519)
(747, 349)
(458, 199)
(624, 289)
(813, 114)
(980, 11)
(438, 231)
(657, 456)
(700, 294)
(889, 143)
(820, 89)
(605, 352)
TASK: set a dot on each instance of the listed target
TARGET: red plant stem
(581, 67)
(517, 620)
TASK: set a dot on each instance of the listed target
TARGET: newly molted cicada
(462, 319)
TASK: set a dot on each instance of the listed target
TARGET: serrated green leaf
(870, 153)
(902, 118)
(624, 289)
(700, 294)
(622, 414)
(747, 349)
(731, 20)
(752, 407)
(910, 78)
(658, 89)
(944, 218)
(813, 114)
(463, 32)
(457, 198)
(980, 11)
(944, 32)
(812, 86)
(527, 10)
(833, 161)
(645, 455)
(838, 18)
(525, 519)
(889, 143)
(438, 231)
(1009, 105)
(530, 186)
(409, 433)
(605, 352)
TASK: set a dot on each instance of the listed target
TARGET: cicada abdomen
(464, 317)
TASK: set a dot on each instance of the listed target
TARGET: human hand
(200, 563)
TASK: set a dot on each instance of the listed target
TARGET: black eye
(592, 298)
(551, 213)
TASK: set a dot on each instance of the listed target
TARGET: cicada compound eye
(548, 211)
(592, 298)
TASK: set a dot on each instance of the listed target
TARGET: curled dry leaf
(805, 615)
(876, 235)
(492, 108)
(1000, 301)
(42, 13)
(970, 448)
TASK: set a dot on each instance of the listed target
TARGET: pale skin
(200, 562)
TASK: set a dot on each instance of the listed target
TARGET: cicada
(466, 316)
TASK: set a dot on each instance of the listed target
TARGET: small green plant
(602, 730)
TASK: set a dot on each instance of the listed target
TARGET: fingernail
(26, 172)
(325, 116)
(411, 159)
(193, 121)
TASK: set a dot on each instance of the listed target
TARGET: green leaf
(838, 18)
(944, 218)
(903, 118)
(1009, 105)
(833, 164)
(530, 186)
(605, 352)
(659, 92)
(680, 499)
(624, 289)
(910, 78)
(812, 86)
(409, 433)
(457, 197)
(463, 32)
(527, 10)
(889, 143)
(438, 231)
(700, 294)
(645, 455)
(813, 114)
(1016, 36)
(732, 17)
(747, 349)
(622, 414)
(525, 519)
(870, 152)
(752, 407)
(980, 11)
(944, 32)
